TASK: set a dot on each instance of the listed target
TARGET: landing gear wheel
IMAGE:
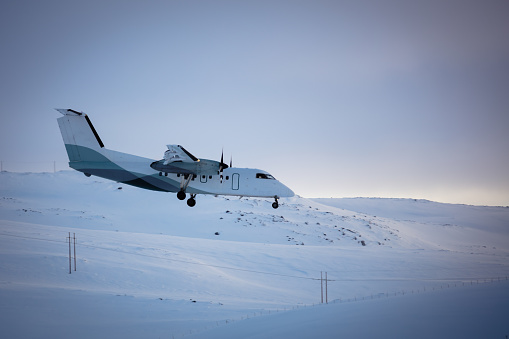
(191, 202)
(275, 204)
(181, 195)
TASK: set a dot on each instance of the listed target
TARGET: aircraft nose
(287, 192)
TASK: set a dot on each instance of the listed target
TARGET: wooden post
(321, 287)
(69, 252)
(74, 238)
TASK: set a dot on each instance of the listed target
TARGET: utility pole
(74, 238)
(321, 287)
(69, 252)
(326, 287)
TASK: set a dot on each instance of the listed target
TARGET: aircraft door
(235, 181)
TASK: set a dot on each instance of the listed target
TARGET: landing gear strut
(184, 182)
(275, 204)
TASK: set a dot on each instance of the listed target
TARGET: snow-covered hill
(150, 266)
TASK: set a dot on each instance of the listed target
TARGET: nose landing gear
(275, 204)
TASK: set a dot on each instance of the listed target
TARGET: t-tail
(81, 140)
(87, 154)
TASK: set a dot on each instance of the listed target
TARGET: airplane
(179, 171)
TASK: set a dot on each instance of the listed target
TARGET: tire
(181, 195)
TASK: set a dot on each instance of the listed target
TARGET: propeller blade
(221, 166)
(231, 161)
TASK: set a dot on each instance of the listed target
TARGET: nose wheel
(275, 204)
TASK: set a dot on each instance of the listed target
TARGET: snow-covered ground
(148, 266)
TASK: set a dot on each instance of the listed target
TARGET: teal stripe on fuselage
(99, 165)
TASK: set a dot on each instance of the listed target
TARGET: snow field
(149, 266)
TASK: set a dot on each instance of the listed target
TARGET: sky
(334, 98)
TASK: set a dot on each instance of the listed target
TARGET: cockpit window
(264, 176)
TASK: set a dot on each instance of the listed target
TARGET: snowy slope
(470, 311)
(150, 266)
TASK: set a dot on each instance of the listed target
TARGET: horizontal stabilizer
(68, 111)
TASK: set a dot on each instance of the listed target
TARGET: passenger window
(210, 177)
(227, 177)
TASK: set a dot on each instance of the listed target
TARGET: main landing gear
(275, 204)
(191, 201)
(181, 195)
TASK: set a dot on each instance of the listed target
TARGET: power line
(167, 259)
(200, 264)
(240, 269)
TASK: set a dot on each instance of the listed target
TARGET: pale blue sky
(334, 98)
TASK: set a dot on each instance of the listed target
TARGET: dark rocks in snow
(217, 233)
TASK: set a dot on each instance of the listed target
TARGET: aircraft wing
(177, 153)
(177, 160)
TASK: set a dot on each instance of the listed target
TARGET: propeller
(222, 166)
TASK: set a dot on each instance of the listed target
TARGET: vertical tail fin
(79, 135)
